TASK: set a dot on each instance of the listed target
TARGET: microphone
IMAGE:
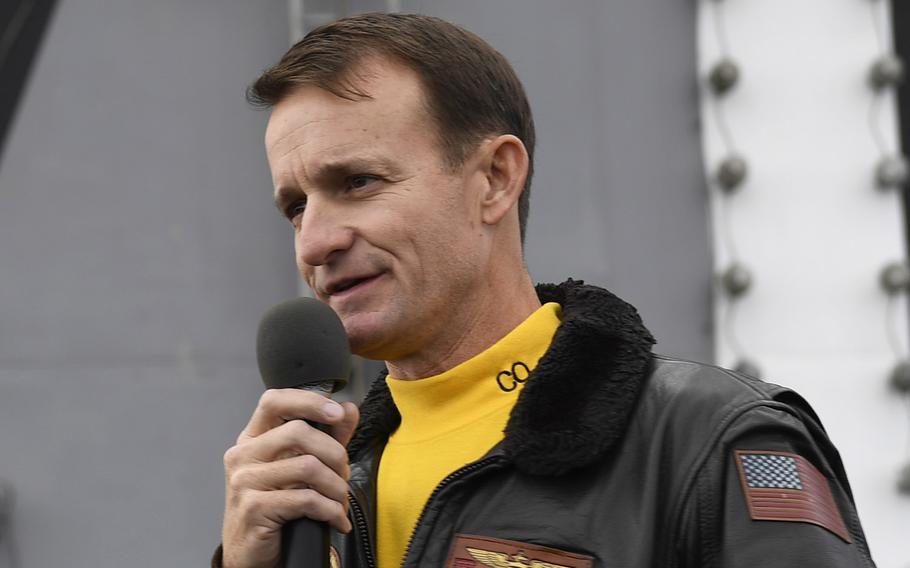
(302, 344)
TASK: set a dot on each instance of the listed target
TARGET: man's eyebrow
(332, 170)
(283, 195)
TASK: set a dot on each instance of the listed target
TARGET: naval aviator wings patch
(781, 486)
(469, 551)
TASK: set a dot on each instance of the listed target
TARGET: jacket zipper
(451, 478)
(362, 530)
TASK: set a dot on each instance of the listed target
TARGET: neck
(495, 311)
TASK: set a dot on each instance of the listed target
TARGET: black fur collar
(578, 401)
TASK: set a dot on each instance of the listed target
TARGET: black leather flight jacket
(624, 456)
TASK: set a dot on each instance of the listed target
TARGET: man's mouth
(342, 285)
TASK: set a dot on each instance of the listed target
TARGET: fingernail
(332, 410)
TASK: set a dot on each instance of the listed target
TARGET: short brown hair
(471, 90)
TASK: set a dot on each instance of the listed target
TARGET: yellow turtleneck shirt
(450, 420)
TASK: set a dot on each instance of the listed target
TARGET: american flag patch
(780, 486)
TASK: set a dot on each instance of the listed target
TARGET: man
(517, 426)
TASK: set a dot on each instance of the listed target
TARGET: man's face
(385, 232)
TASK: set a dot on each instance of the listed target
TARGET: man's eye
(360, 181)
(296, 209)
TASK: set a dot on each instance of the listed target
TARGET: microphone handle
(306, 544)
(305, 541)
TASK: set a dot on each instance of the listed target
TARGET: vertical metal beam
(295, 20)
(22, 27)
(900, 19)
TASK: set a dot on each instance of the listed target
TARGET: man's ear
(505, 163)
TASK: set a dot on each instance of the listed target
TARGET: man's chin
(365, 336)
(369, 349)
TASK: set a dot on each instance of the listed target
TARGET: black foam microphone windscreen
(301, 343)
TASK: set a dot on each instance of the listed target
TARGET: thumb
(344, 430)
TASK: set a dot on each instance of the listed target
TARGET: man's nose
(323, 233)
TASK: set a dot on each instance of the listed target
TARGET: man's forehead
(391, 91)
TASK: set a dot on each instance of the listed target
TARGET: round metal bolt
(887, 71)
(900, 377)
(736, 279)
(895, 278)
(723, 76)
(903, 480)
(731, 173)
(892, 172)
(748, 368)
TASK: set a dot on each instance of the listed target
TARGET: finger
(277, 406)
(344, 430)
(299, 472)
(287, 505)
(295, 438)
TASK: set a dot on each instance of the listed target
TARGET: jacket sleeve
(772, 493)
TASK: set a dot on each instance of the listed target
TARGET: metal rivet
(736, 279)
(723, 76)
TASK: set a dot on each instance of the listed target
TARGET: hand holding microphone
(282, 467)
